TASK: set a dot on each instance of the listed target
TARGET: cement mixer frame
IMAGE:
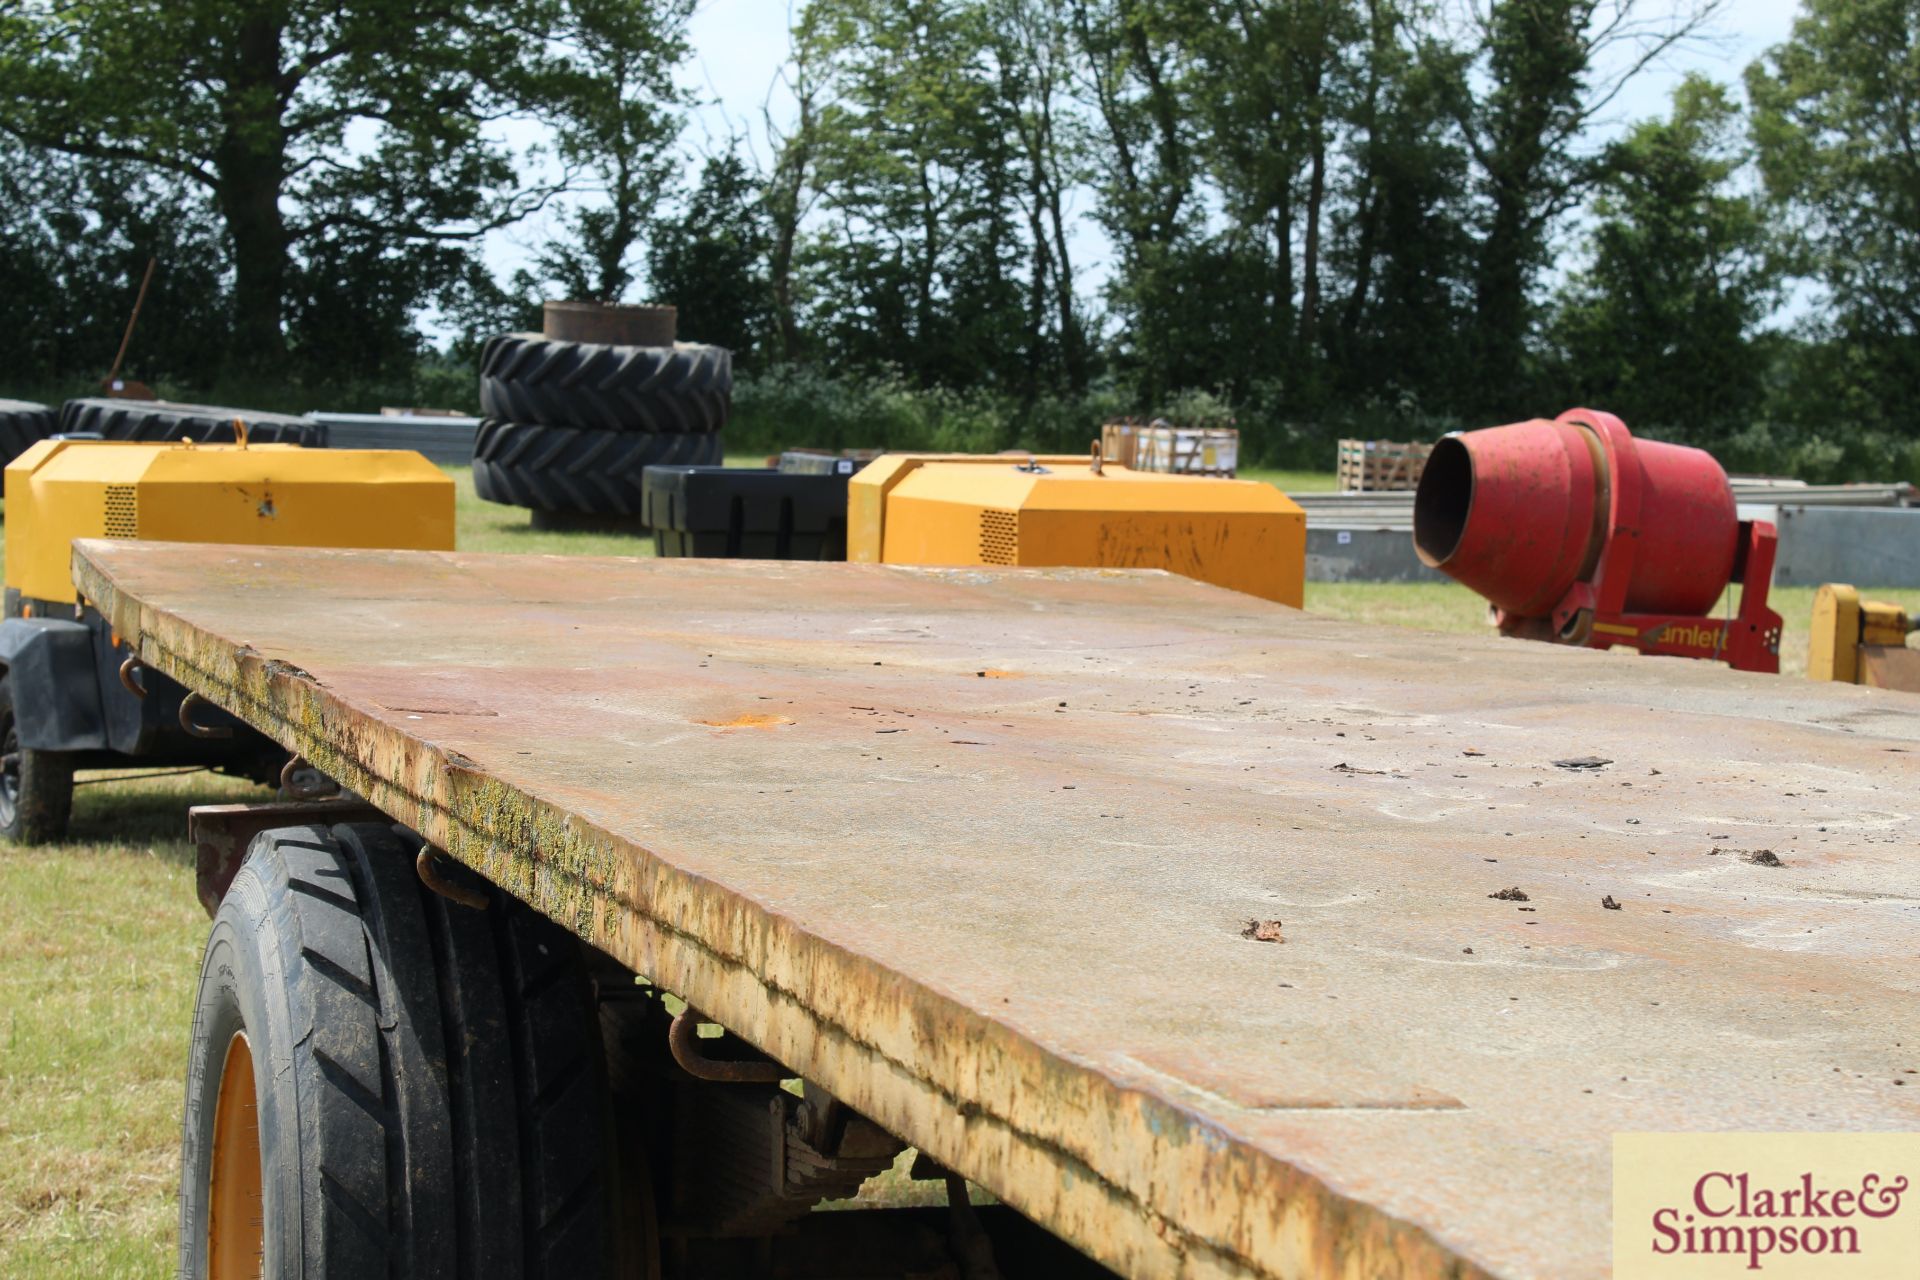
(1579, 583)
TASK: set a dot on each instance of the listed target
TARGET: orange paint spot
(747, 720)
(994, 673)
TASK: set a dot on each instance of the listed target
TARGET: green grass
(100, 946)
(99, 952)
(480, 525)
(1294, 481)
(1447, 606)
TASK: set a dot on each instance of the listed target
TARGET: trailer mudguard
(56, 694)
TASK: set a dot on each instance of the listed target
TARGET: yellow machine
(1015, 510)
(72, 695)
(1857, 641)
(262, 495)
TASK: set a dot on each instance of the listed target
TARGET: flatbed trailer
(979, 853)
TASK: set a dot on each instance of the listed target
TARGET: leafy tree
(916, 265)
(1833, 122)
(475, 306)
(711, 261)
(1283, 184)
(75, 240)
(351, 304)
(1657, 327)
(1272, 85)
(1131, 58)
(307, 123)
(608, 91)
(1545, 69)
(791, 191)
(1032, 53)
(1403, 253)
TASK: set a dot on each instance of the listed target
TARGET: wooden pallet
(1160, 446)
(1190, 451)
(1368, 466)
(1120, 441)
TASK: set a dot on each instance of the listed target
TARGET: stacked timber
(1374, 466)
(1161, 446)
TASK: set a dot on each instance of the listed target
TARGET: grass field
(100, 947)
(99, 951)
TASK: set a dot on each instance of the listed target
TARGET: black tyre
(565, 469)
(685, 388)
(21, 424)
(203, 424)
(36, 787)
(385, 1083)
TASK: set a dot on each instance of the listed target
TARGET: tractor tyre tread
(22, 424)
(566, 469)
(160, 420)
(407, 1113)
(685, 389)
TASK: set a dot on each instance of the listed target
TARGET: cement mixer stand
(1747, 641)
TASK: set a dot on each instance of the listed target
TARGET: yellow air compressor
(945, 510)
(1856, 641)
(71, 694)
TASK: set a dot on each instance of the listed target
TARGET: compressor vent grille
(999, 537)
(123, 511)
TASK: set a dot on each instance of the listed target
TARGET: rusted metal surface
(295, 787)
(639, 326)
(683, 1040)
(974, 850)
(1888, 667)
(220, 834)
(424, 866)
(188, 705)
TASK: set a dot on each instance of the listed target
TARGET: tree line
(1311, 216)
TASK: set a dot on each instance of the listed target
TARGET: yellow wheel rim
(236, 1234)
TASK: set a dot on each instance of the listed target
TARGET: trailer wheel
(383, 1082)
(36, 787)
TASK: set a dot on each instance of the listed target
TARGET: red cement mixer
(1580, 534)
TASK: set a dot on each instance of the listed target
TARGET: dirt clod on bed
(1758, 857)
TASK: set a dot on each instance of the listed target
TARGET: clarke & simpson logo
(1782, 1204)
(1726, 1215)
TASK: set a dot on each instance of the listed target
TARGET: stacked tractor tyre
(21, 425)
(571, 426)
(155, 420)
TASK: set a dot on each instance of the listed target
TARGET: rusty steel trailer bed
(976, 851)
